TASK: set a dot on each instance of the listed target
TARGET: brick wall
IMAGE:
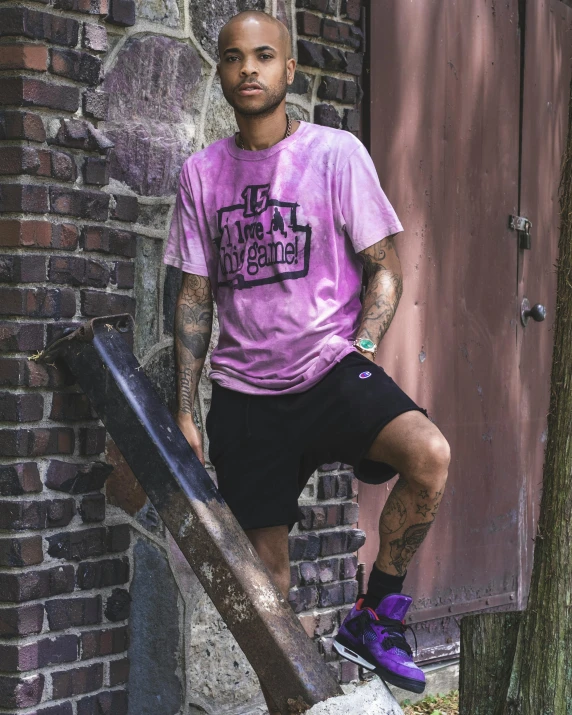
(330, 47)
(65, 255)
(73, 246)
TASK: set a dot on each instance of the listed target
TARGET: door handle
(537, 312)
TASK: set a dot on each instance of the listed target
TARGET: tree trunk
(488, 644)
(541, 682)
(541, 677)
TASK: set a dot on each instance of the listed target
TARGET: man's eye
(231, 59)
(266, 57)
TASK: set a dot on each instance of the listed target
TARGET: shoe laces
(395, 631)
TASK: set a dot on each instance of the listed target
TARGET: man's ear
(291, 70)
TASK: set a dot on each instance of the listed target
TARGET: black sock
(380, 585)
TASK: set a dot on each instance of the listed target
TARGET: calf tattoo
(408, 515)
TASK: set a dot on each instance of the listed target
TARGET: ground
(434, 705)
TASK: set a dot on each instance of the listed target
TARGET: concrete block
(369, 698)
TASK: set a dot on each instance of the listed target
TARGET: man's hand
(192, 434)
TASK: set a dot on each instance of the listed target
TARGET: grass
(434, 705)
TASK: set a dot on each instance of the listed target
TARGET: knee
(432, 460)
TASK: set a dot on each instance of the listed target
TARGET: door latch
(522, 226)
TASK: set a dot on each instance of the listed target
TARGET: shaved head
(255, 17)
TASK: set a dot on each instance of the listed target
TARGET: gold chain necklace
(286, 135)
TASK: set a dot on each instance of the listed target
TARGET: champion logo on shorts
(365, 375)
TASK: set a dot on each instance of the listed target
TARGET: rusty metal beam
(207, 533)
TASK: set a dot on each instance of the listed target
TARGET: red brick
(331, 594)
(95, 644)
(304, 546)
(77, 271)
(78, 545)
(350, 589)
(351, 513)
(21, 125)
(23, 56)
(118, 538)
(118, 605)
(38, 302)
(352, 9)
(356, 539)
(96, 171)
(80, 134)
(308, 24)
(79, 66)
(39, 25)
(121, 12)
(348, 567)
(24, 515)
(78, 202)
(107, 703)
(123, 274)
(92, 7)
(95, 303)
(118, 672)
(77, 681)
(333, 542)
(21, 692)
(92, 508)
(303, 599)
(125, 209)
(30, 234)
(71, 406)
(66, 613)
(354, 64)
(16, 372)
(17, 479)
(18, 658)
(19, 160)
(21, 337)
(21, 620)
(23, 197)
(325, 6)
(94, 37)
(349, 672)
(29, 91)
(31, 585)
(91, 440)
(21, 407)
(351, 120)
(24, 268)
(36, 442)
(99, 238)
(102, 574)
(25, 551)
(62, 166)
(65, 236)
(327, 116)
(77, 478)
(60, 708)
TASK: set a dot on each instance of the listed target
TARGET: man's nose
(248, 68)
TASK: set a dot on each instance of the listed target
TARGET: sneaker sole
(399, 681)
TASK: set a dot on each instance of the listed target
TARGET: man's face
(255, 68)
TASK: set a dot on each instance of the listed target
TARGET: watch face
(366, 344)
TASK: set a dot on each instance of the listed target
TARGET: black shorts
(265, 447)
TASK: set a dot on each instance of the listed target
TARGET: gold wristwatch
(366, 346)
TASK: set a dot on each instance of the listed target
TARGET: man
(279, 223)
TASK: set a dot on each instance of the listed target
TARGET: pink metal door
(445, 115)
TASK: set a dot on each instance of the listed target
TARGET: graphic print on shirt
(260, 241)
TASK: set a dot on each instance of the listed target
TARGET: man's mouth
(249, 89)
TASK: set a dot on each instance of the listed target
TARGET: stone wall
(99, 613)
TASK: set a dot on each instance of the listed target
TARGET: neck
(262, 132)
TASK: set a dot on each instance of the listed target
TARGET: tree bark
(488, 644)
(541, 682)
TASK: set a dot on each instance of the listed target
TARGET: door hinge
(522, 226)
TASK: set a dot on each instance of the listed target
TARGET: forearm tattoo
(384, 288)
(193, 325)
(407, 517)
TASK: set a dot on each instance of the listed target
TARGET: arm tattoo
(382, 271)
(193, 325)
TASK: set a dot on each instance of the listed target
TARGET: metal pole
(272, 638)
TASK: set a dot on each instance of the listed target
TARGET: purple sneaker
(376, 641)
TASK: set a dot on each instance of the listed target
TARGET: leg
(271, 544)
(416, 448)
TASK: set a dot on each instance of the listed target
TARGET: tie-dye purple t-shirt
(277, 232)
